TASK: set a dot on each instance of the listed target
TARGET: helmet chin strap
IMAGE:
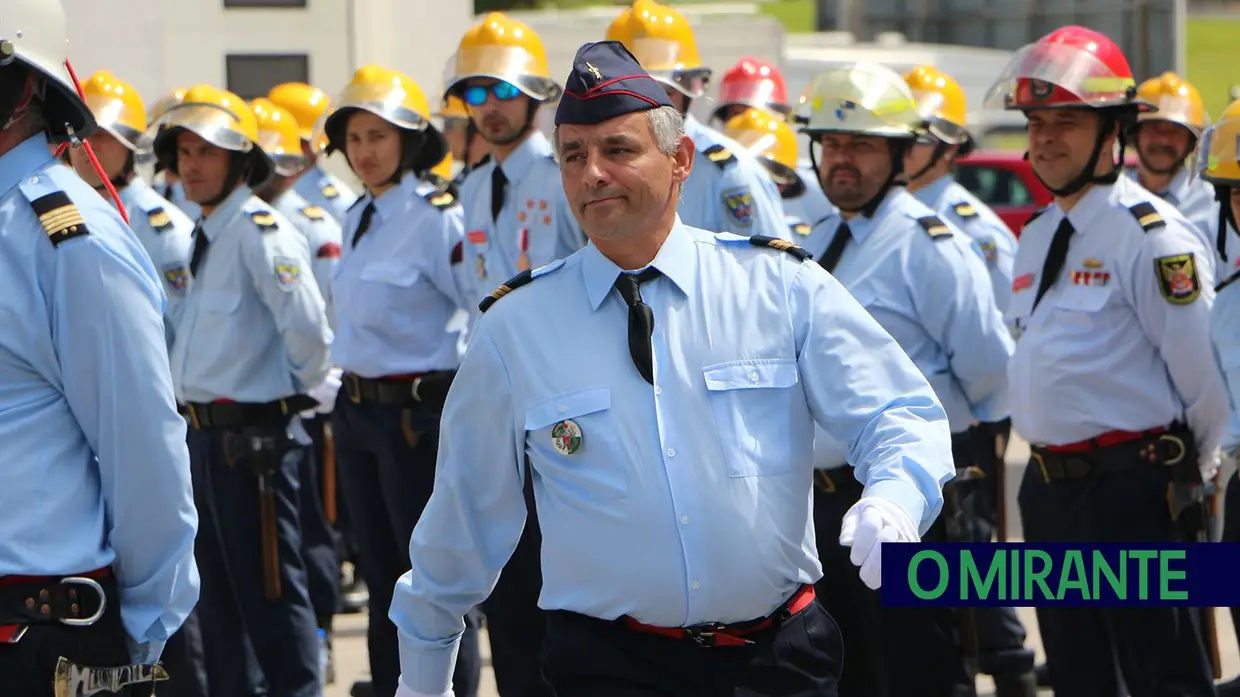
(1226, 216)
(940, 150)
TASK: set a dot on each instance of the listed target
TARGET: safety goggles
(476, 95)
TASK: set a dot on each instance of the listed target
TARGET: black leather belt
(1166, 449)
(242, 414)
(76, 601)
(402, 390)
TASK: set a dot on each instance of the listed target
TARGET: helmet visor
(760, 92)
(511, 64)
(214, 124)
(930, 107)
(287, 156)
(1180, 109)
(1219, 159)
(1050, 75)
(113, 114)
(387, 101)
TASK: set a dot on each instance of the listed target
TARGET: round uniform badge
(566, 437)
(1040, 89)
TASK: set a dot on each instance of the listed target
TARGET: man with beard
(1164, 140)
(1113, 382)
(924, 282)
(465, 141)
(315, 184)
(734, 194)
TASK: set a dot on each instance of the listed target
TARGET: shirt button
(658, 390)
(671, 452)
(684, 520)
(753, 376)
(695, 585)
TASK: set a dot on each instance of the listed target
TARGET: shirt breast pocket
(752, 400)
(385, 291)
(219, 302)
(1082, 307)
(573, 442)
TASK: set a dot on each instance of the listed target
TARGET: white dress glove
(324, 394)
(866, 526)
(402, 691)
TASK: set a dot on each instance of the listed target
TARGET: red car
(1003, 180)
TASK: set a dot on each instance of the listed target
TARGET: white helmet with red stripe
(33, 34)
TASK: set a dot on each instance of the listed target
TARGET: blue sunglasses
(476, 95)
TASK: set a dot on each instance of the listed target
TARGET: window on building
(253, 75)
(264, 3)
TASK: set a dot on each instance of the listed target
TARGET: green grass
(797, 15)
(1213, 54)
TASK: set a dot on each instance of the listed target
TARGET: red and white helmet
(1070, 68)
(753, 83)
(33, 33)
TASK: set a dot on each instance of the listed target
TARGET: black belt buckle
(353, 388)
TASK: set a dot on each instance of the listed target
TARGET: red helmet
(1071, 67)
(756, 83)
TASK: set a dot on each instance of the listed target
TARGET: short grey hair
(667, 125)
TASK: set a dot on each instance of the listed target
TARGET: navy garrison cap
(606, 82)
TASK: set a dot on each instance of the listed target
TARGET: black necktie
(363, 225)
(835, 250)
(498, 183)
(641, 320)
(1055, 257)
(200, 249)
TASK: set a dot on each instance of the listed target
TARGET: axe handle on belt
(329, 473)
(271, 552)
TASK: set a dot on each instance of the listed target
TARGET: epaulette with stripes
(937, 229)
(1147, 216)
(59, 217)
(780, 245)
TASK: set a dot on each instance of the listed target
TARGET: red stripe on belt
(1106, 440)
(728, 634)
(10, 633)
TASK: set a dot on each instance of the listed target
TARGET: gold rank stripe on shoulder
(936, 228)
(505, 288)
(330, 191)
(781, 245)
(719, 155)
(314, 212)
(1147, 216)
(441, 199)
(59, 217)
(966, 210)
(159, 218)
(264, 220)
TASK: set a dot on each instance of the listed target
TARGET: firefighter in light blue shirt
(636, 380)
(733, 193)
(315, 184)
(922, 279)
(251, 352)
(96, 507)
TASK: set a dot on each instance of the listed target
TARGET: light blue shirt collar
(677, 260)
(1177, 189)
(220, 219)
(860, 226)
(521, 160)
(30, 155)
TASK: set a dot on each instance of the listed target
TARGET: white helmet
(861, 98)
(33, 33)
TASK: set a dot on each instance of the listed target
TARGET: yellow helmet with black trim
(1177, 101)
(117, 107)
(304, 102)
(279, 136)
(941, 103)
(219, 117)
(662, 40)
(863, 99)
(769, 138)
(1219, 156)
(502, 48)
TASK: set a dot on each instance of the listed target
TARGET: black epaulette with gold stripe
(264, 220)
(781, 245)
(965, 210)
(59, 217)
(937, 229)
(505, 288)
(159, 219)
(314, 213)
(1147, 216)
(440, 199)
(720, 155)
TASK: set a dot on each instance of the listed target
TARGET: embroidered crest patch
(287, 272)
(1177, 278)
(177, 276)
(739, 205)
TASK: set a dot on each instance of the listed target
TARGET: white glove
(402, 691)
(866, 526)
(324, 394)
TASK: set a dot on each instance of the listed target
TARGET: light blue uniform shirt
(956, 205)
(254, 328)
(811, 206)
(1194, 198)
(164, 232)
(684, 503)
(397, 292)
(535, 218)
(1225, 338)
(728, 189)
(933, 295)
(96, 472)
(325, 190)
(322, 234)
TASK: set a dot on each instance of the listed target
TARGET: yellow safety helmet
(443, 170)
(863, 99)
(34, 34)
(219, 117)
(117, 107)
(941, 103)
(1219, 157)
(661, 39)
(502, 48)
(769, 138)
(391, 96)
(305, 103)
(279, 136)
(453, 108)
(1177, 102)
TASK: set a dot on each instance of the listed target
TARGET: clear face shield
(387, 101)
(511, 64)
(114, 116)
(664, 60)
(929, 108)
(1050, 75)
(286, 156)
(1218, 156)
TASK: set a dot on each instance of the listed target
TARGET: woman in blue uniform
(395, 295)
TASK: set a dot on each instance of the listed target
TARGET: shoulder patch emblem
(441, 199)
(177, 276)
(264, 220)
(159, 219)
(802, 229)
(330, 191)
(739, 205)
(314, 212)
(1177, 278)
(287, 272)
(934, 227)
(965, 210)
(781, 245)
(59, 217)
(505, 288)
(1147, 216)
(720, 155)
